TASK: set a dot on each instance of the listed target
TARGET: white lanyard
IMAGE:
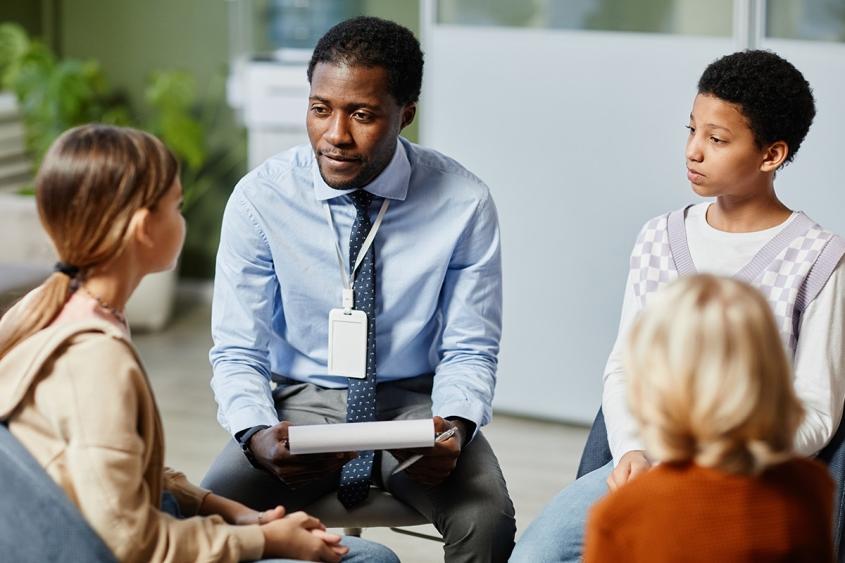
(348, 293)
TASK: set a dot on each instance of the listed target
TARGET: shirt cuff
(462, 409)
(247, 417)
(630, 444)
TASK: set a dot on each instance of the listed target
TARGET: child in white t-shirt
(752, 111)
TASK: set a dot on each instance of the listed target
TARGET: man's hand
(302, 537)
(439, 461)
(631, 464)
(269, 446)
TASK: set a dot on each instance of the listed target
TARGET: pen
(442, 437)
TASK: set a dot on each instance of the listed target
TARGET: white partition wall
(816, 184)
(580, 136)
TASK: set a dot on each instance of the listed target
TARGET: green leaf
(14, 44)
(184, 135)
(171, 91)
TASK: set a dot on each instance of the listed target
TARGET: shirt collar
(392, 183)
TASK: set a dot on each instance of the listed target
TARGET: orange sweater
(689, 513)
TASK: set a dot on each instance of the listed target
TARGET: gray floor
(538, 458)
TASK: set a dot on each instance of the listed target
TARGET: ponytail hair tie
(67, 269)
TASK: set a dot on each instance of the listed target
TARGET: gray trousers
(471, 508)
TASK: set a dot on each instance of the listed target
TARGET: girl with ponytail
(73, 390)
(98, 188)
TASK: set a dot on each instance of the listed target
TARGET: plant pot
(27, 248)
(26, 254)
(23, 238)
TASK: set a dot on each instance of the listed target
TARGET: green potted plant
(55, 94)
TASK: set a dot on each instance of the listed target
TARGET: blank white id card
(348, 343)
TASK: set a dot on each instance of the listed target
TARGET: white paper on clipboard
(356, 436)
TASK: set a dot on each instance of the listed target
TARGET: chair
(37, 520)
(597, 453)
(834, 456)
(380, 510)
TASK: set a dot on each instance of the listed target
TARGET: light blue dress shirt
(438, 283)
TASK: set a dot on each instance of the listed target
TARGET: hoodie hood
(20, 368)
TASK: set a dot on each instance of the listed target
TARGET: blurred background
(571, 110)
(163, 65)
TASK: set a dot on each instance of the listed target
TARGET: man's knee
(486, 527)
(475, 508)
(497, 527)
(487, 536)
(222, 465)
(228, 463)
(232, 476)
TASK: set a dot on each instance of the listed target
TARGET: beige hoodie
(77, 397)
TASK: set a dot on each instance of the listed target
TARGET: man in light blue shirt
(435, 272)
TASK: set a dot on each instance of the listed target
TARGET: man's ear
(774, 156)
(139, 227)
(408, 113)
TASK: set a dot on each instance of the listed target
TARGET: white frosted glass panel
(817, 20)
(813, 182)
(646, 16)
(580, 137)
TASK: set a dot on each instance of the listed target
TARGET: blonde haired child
(73, 390)
(711, 389)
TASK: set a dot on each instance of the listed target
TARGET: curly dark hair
(771, 93)
(371, 42)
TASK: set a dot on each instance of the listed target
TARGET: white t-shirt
(819, 365)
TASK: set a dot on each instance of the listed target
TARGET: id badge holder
(347, 343)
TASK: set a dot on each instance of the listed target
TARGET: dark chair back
(597, 453)
(37, 520)
(834, 456)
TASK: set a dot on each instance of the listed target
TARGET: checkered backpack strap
(782, 272)
(652, 265)
(677, 229)
(825, 264)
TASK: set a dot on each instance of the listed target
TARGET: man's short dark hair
(772, 94)
(374, 42)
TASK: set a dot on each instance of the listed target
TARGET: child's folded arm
(104, 404)
(189, 496)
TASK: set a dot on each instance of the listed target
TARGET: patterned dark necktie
(361, 400)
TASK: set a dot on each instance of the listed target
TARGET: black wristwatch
(243, 437)
(468, 425)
